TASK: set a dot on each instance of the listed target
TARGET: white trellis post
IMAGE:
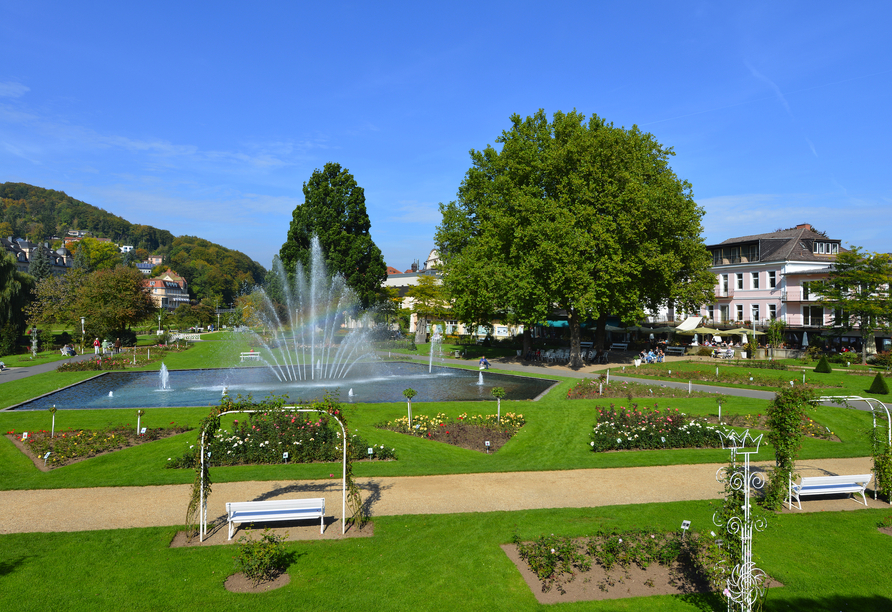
(744, 585)
(202, 507)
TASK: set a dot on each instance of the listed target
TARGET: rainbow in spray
(321, 332)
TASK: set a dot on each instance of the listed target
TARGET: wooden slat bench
(676, 350)
(250, 356)
(619, 346)
(275, 510)
(827, 485)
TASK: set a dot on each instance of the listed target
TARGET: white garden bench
(619, 346)
(676, 350)
(827, 485)
(250, 356)
(275, 510)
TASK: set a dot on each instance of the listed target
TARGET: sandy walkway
(122, 507)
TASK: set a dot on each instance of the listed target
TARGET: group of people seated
(652, 356)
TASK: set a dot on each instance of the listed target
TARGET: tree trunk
(527, 341)
(575, 324)
(601, 332)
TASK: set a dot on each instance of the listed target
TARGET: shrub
(842, 359)
(823, 366)
(882, 359)
(879, 385)
(261, 559)
(704, 351)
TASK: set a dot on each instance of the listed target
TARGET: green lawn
(432, 562)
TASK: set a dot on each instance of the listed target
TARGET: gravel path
(125, 507)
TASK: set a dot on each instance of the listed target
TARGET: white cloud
(10, 89)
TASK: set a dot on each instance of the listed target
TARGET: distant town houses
(168, 290)
(23, 250)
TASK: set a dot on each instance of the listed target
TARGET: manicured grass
(554, 438)
(432, 562)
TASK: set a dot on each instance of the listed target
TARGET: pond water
(366, 383)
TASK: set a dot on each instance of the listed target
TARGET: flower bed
(595, 389)
(556, 561)
(650, 428)
(810, 427)
(264, 437)
(466, 431)
(725, 376)
(74, 444)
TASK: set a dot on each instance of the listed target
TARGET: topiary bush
(823, 366)
(879, 385)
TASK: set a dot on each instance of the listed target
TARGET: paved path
(19, 372)
(125, 507)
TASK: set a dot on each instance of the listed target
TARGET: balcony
(724, 294)
(797, 295)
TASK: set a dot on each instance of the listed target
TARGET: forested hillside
(212, 271)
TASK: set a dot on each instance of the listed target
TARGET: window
(724, 285)
(735, 255)
(804, 290)
(717, 257)
(755, 281)
(739, 281)
(825, 248)
(740, 312)
(772, 311)
(751, 252)
(813, 316)
(772, 279)
(755, 312)
(725, 313)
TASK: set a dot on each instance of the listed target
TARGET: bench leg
(321, 525)
(231, 530)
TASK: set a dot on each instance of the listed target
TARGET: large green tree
(334, 211)
(858, 290)
(577, 215)
(15, 295)
(109, 300)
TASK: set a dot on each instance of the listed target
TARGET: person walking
(96, 345)
(117, 346)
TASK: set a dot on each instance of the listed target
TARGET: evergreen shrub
(823, 366)
(879, 386)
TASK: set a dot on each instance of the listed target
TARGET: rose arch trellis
(202, 512)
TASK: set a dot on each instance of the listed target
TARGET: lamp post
(82, 326)
(159, 323)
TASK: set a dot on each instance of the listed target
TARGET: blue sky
(207, 118)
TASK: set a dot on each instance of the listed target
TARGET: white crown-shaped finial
(741, 442)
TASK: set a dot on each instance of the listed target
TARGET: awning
(689, 324)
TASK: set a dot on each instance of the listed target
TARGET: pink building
(767, 276)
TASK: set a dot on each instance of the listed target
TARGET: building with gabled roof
(168, 290)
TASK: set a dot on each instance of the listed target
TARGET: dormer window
(825, 248)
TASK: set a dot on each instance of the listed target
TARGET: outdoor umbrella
(745, 330)
(804, 339)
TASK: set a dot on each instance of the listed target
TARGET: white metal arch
(873, 404)
(202, 512)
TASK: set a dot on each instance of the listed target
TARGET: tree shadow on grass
(8, 566)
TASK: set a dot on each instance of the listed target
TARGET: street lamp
(159, 322)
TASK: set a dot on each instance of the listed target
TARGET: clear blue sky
(207, 118)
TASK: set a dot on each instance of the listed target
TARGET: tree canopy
(580, 216)
(429, 302)
(39, 267)
(858, 290)
(109, 300)
(15, 294)
(334, 210)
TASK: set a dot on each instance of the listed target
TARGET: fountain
(480, 378)
(436, 347)
(306, 341)
(165, 378)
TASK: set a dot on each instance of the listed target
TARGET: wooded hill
(212, 270)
